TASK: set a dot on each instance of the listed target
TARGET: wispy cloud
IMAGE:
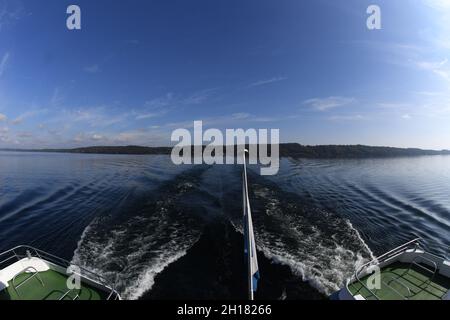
(324, 104)
(438, 4)
(353, 117)
(393, 105)
(24, 134)
(96, 116)
(21, 118)
(3, 63)
(430, 54)
(199, 97)
(171, 100)
(145, 116)
(437, 67)
(437, 107)
(241, 115)
(160, 102)
(10, 11)
(4, 137)
(395, 53)
(413, 56)
(2, 117)
(92, 69)
(56, 98)
(267, 81)
(144, 136)
(133, 42)
(230, 121)
(429, 93)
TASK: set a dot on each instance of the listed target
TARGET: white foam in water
(146, 279)
(361, 240)
(324, 268)
(137, 274)
(323, 249)
(133, 252)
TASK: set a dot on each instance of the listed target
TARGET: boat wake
(133, 248)
(318, 246)
(130, 251)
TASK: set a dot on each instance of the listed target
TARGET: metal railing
(401, 284)
(418, 262)
(20, 252)
(66, 294)
(411, 245)
(34, 273)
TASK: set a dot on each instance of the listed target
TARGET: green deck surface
(416, 279)
(54, 288)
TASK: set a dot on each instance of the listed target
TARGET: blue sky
(140, 69)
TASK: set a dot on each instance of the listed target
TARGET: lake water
(161, 231)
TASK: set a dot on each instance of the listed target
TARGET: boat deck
(399, 281)
(54, 288)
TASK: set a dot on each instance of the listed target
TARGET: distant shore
(293, 150)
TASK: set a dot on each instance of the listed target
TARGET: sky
(139, 69)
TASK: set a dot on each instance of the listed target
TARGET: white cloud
(3, 63)
(3, 117)
(324, 104)
(79, 138)
(17, 120)
(97, 137)
(267, 81)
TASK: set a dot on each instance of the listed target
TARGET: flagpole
(247, 231)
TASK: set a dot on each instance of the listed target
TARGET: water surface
(161, 231)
